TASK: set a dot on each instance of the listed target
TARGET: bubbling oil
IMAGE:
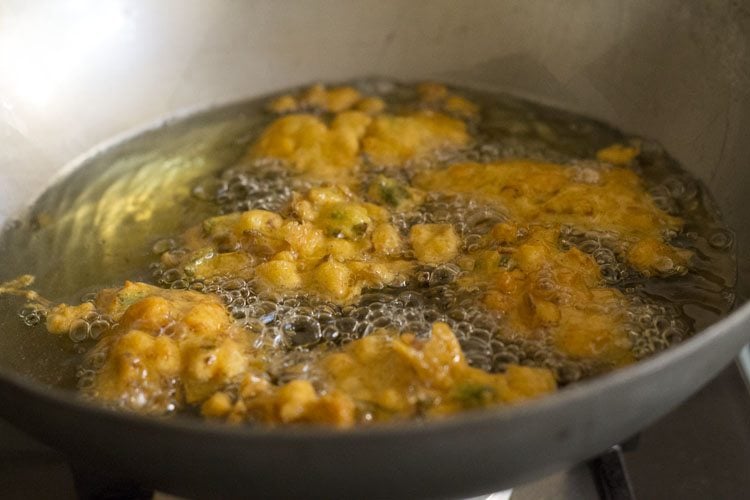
(296, 328)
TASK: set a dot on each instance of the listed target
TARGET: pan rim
(568, 395)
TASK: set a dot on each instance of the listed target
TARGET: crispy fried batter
(172, 349)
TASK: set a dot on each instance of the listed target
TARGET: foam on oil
(111, 219)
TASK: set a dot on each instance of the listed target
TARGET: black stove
(700, 450)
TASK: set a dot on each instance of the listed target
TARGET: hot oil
(96, 227)
(114, 216)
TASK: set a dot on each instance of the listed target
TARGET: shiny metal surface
(78, 72)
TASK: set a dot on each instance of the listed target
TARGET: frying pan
(75, 73)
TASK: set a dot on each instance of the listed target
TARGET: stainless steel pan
(76, 73)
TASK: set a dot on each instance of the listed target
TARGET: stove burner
(611, 476)
(608, 470)
(91, 485)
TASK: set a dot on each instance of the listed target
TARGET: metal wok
(72, 76)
